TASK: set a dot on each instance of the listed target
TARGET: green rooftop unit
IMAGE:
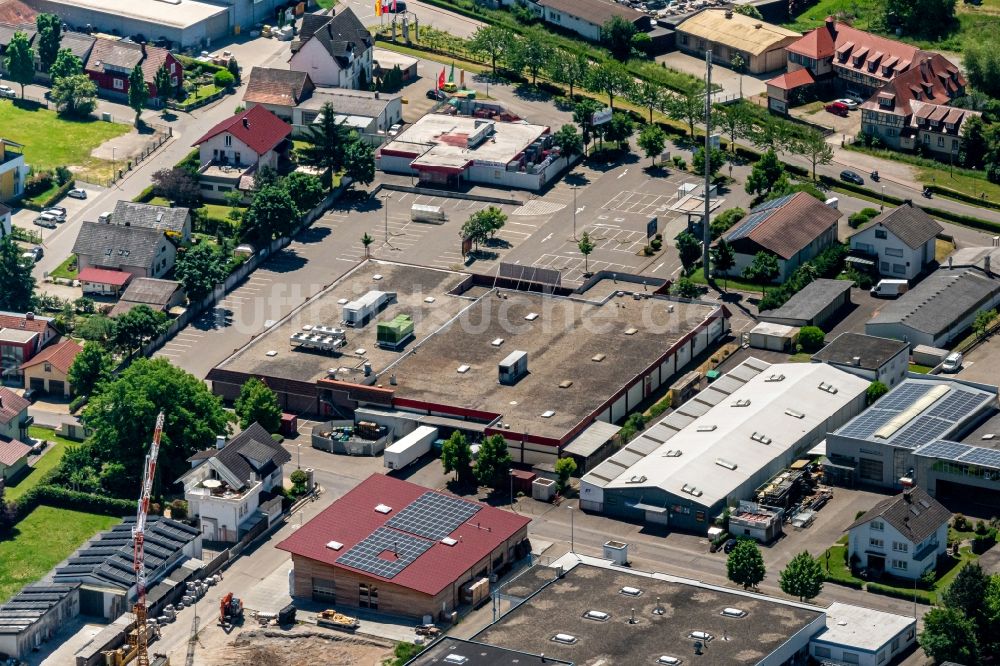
(395, 333)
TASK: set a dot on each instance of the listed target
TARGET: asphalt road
(426, 15)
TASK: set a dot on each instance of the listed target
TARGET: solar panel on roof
(366, 555)
(980, 456)
(433, 515)
(920, 431)
(943, 449)
(957, 405)
(903, 396)
(866, 423)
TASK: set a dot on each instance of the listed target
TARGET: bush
(983, 542)
(76, 403)
(922, 596)
(63, 175)
(63, 498)
(725, 220)
(811, 338)
(179, 509)
(846, 582)
(960, 523)
(223, 79)
(38, 183)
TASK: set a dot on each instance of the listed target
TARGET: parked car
(77, 193)
(30, 395)
(46, 220)
(848, 102)
(34, 254)
(953, 362)
(56, 211)
(728, 547)
(849, 176)
(890, 288)
(7, 91)
(837, 108)
(436, 94)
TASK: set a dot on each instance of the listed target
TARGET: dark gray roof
(313, 22)
(872, 351)
(151, 291)
(943, 298)
(809, 302)
(7, 33)
(252, 453)
(342, 34)
(77, 42)
(915, 514)
(114, 246)
(909, 224)
(350, 102)
(31, 604)
(478, 654)
(107, 558)
(595, 12)
(147, 216)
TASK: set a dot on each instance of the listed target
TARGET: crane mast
(140, 642)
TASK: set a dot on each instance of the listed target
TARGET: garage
(37, 384)
(870, 470)
(952, 493)
(57, 387)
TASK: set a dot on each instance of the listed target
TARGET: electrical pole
(706, 234)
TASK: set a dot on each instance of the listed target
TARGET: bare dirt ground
(299, 647)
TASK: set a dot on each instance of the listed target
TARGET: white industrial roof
(182, 14)
(721, 444)
(861, 628)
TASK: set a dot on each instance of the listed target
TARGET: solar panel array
(981, 456)
(962, 453)
(957, 404)
(865, 424)
(944, 449)
(920, 431)
(433, 516)
(366, 554)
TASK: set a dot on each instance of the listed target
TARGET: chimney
(986, 265)
(220, 441)
(30, 316)
(246, 123)
(831, 26)
(376, 94)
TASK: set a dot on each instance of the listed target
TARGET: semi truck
(404, 451)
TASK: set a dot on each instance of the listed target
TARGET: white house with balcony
(229, 489)
(337, 53)
(902, 536)
(900, 242)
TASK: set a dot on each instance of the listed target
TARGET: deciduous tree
(18, 290)
(652, 139)
(531, 52)
(177, 185)
(802, 578)
(569, 140)
(765, 174)
(586, 246)
(456, 456)
(813, 146)
(49, 35)
(493, 462)
(305, 189)
(199, 269)
(19, 60)
(723, 259)
(258, 404)
(949, 635)
(359, 161)
(689, 249)
(764, 268)
(91, 366)
(568, 68)
(620, 129)
(137, 328)
(66, 64)
(648, 95)
(717, 158)
(745, 565)
(611, 79)
(617, 34)
(74, 95)
(492, 42)
(272, 214)
(875, 391)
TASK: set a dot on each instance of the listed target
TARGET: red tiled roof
(12, 451)
(836, 38)
(258, 128)
(11, 404)
(932, 79)
(60, 355)
(352, 518)
(22, 322)
(104, 276)
(793, 226)
(793, 80)
(15, 12)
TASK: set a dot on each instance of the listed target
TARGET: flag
(378, 7)
(440, 81)
(451, 74)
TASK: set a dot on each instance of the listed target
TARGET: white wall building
(901, 241)
(875, 359)
(338, 54)
(857, 635)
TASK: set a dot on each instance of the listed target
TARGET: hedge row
(855, 584)
(52, 200)
(962, 196)
(923, 596)
(70, 499)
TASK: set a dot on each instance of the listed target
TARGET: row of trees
(492, 466)
(802, 577)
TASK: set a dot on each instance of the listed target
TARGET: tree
(685, 287)
(967, 593)
(163, 85)
(17, 294)
(272, 214)
(199, 269)
(949, 636)
(531, 52)
(926, 18)
(766, 172)
(748, 10)
(138, 93)
(456, 456)
(96, 328)
(875, 391)
(49, 35)
(366, 240)
(66, 64)
(764, 268)
(299, 480)
(223, 79)
(565, 467)
(305, 189)
(617, 34)
(725, 221)
(652, 139)
(234, 69)
(611, 79)
(392, 80)
(717, 158)
(973, 149)
(745, 565)
(647, 95)
(723, 259)
(123, 413)
(688, 106)
(91, 366)
(258, 404)
(176, 185)
(619, 129)
(583, 115)
(8, 511)
(491, 219)
(359, 161)
(19, 60)
(811, 338)
(737, 62)
(326, 141)
(569, 140)
(568, 68)
(586, 246)
(734, 119)
(983, 320)
(74, 95)
(137, 328)
(814, 148)
(802, 578)
(491, 41)
(493, 462)
(689, 249)
(981, 60)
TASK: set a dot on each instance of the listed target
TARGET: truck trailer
(403, 452)
(359, 311)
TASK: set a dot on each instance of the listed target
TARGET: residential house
(277, 90)
(13, 458)
(111, 61)
(79, 44)
(900, 241)
(102, 282)
(133, 250)
(231, 488)
(875, 359)
(14, 419)
(158, 295)
(795, 227)
(789, 90)
(13, 170)
(890, 114)
(48, 371)
(5, 228)
(231, 152)
(21, 337)
(370, 113)
(175, 222)
(586, 17)
(7, 31)
(902, 536)
(728, 34)
(338, 53)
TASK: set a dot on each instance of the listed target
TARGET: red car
(838, 108)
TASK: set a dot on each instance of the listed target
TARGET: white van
(890, 288)
(104, 218)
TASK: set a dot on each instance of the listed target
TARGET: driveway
(721, 75)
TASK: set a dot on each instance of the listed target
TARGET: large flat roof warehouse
(181, 14)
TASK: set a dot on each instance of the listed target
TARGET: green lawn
(920, 369)
(732, 283)
(50, 141)
(44, 464)
(42, 540)
(326, 4)
(67, 269)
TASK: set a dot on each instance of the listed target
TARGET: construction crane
(140, 638)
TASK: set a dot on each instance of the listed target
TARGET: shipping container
(409, 448)
(425, 213)
(359, 311)
(513, 367)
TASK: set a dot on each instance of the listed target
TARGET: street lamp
(298, 462)
(385, 205)
(572, 536)
(574, 211)
(510, 473)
